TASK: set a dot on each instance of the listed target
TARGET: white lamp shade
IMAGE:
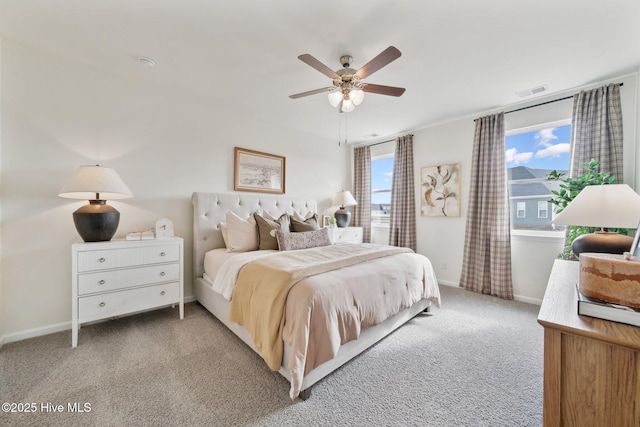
(344, 198)
(335, 97)
(347, 106)
(91, 180)
(357, 96)
(609, 205)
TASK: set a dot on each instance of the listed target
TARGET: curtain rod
(382, 142)
(545, 103)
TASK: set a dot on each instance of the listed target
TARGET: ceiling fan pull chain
(346, 121)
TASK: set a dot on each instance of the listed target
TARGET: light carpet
(477, 361)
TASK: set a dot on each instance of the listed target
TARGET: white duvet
(222, 267)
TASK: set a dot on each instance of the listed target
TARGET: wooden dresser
(591, 366)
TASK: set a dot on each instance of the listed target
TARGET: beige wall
(58, 114)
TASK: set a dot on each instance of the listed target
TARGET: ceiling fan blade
(313, 62)
(311, 92)
(384, 90)
(387, 56)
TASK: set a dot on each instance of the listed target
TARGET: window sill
(380, 225)
(537, 235)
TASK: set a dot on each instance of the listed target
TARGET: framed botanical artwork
(258, 171)
(440, 190)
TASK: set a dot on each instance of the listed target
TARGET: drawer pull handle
(101, 260)
(101, 282)
(161, 253)
(162, 273)
(162, 293)
(102, 304)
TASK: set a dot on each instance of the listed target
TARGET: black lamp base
(97, 221)
(602, 242)
(343, 217)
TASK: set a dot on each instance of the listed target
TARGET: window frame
(542, 234)
(546, 209)
(379, 157)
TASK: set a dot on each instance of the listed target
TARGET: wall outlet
(443, 265)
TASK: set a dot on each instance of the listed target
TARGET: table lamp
(97, 221)
(343, 216)
(605, 206)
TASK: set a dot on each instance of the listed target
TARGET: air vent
(532, 91)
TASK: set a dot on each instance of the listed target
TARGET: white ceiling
(459, 57)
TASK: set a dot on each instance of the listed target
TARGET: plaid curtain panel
(597, 130)
(362, 190)
(402, 216)
(486, 266)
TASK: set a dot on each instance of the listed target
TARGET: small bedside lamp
(97, 221)
(608, 205)
(343, 216)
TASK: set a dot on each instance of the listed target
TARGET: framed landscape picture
(440, 190)
(257, 171)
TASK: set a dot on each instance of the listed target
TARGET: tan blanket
(258, 301)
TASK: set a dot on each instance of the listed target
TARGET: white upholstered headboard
(209, 210)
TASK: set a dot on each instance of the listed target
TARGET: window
(531, 154)
(381, 178)
(542, 209)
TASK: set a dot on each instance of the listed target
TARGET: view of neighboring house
(380, 213)
(529, 194)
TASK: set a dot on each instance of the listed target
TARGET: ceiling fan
(348, 86)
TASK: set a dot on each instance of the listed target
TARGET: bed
(301, 367)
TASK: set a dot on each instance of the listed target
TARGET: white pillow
(301, 218)
(242, 234)
(223, 230)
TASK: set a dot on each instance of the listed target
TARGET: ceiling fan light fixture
(335, 97)
(357, 96)
(347, 106)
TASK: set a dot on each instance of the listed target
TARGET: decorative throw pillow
(303, 240)
(242, 234)
(267, 239)
(309, 224)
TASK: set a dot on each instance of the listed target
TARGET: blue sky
(381, 177)
(541, 149)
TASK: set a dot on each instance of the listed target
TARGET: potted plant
(569, 189)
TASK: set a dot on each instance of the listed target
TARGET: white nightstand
(345, 235)
(120, 277)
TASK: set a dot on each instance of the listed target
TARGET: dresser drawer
(126, 301)
(126, 257)
(109, 280)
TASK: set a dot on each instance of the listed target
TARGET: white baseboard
(51, 329)
(448, 283)
(520, 298)
(36, 332)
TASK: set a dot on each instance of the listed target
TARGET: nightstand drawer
(104, 281)
(116, 303)
(126, 257)
(346, 235)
